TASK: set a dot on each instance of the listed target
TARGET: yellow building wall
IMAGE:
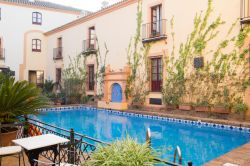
(33, 60)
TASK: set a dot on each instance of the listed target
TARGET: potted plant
(186, 106)
(16, 99)
(223, 106)
(202, 106)
(171, 101)
(240, 108)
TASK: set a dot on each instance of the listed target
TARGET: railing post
(72, 147)
(190, 163)
(148, 137)
(26, 127)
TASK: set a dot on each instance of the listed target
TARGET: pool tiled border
(176, 120)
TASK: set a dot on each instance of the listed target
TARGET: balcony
(2, 56)
(58, 53)
(89, 46)
(154, 31)
(245, 12)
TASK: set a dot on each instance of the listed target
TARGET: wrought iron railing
(154, 30)
(81, 146)
(245, 11)
(89, 45)
(81, 151)
(58, 53)
(2, 52)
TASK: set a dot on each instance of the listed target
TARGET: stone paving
(13, 161)
(239, 157)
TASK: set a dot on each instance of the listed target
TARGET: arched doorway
(116, 93)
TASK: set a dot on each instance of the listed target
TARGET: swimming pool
(199, 142)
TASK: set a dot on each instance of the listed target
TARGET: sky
(90, 5)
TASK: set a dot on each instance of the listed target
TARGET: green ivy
(222, 79)
(138, 63)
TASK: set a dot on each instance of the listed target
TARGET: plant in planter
(240, 107)
(223, 106)
(123, 152)
(59, 98)
(186, 102)
(202, 106)
(16, 99)
(171, 101)
(186, 106)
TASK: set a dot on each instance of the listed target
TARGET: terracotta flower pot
(202, 109)
(6, 138)
(220, 109)
(185, 107)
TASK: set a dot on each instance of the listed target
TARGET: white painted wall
(185, 11)
(115, 29)
(16, 21)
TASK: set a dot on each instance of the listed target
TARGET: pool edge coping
(154, 115)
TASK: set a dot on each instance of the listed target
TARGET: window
(59, 42)
(156, 74)
(37, 18)
(40, 77)
(91, 79)
(36, 45)
(92, 37)
(1, 50)
(58, 75)
(36, 77)
(156, 20)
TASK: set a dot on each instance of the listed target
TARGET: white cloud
(90, 5)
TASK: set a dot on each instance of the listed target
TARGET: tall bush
(123, 153)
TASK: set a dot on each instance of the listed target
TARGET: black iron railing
(154, 30)
(80, 146)
(81, 151)
(58, 53)
(2, 52)
(245, 11)
(89, 45)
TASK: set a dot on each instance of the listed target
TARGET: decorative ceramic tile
(160, 118)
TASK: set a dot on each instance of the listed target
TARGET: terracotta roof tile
(41, 3)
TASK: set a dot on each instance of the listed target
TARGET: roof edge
(99, 13)
(41, 7)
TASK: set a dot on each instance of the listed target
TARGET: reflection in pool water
(198, 144)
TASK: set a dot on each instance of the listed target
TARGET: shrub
(240, 106)
(123, 153)
(19, 98)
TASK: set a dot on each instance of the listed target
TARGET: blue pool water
(198, 144)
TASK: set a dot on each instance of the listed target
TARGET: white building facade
(17, 18)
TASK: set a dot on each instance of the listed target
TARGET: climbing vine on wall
(101, 66)
(75, 75)
(224, 76)
(138, 63)
(74, 78)
(100, 61)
